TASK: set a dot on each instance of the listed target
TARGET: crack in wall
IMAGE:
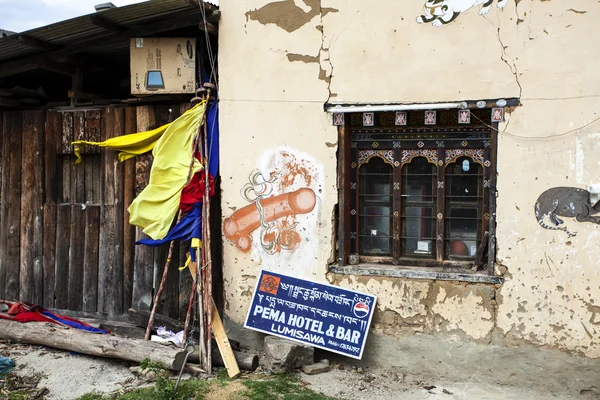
(513, 68)
(328, 59)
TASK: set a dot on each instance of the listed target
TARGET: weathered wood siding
(65, 240)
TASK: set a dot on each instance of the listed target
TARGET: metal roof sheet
(73, 30)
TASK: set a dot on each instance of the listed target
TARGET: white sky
(22, 15)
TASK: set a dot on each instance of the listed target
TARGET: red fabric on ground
(26, 316)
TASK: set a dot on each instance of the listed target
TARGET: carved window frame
(441, 144)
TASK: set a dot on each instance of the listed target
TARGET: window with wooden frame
(417, 188)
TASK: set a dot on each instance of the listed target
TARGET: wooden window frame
(481, 136)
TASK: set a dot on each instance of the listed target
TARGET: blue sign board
(320, 315)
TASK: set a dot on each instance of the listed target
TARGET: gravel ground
(381, 384)
(68, 376)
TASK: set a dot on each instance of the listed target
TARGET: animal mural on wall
(568, 202)
(275, 214)
(441, 12)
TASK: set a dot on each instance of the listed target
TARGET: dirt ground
(491, 373)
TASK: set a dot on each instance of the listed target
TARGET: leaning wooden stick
(221, 338)
(190, 303)
(161, 287)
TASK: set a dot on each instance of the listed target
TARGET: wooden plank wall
(65, 240)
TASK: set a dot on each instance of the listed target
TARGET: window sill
(393, 271)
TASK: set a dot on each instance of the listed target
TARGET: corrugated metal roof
(73, 30)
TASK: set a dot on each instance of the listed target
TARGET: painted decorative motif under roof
(441, 12)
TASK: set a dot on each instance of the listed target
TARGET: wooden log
(59, 337)
(128, 229)
(38, 202)
(246, 361)
(76, 259)
(63, 234)
(12, 224)
(90, 258)
(26, 206)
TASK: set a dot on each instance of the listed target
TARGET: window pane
(419, 227)
(419, 183)
(463, 180)
(464, 202)
(462, 231)
(375, 208)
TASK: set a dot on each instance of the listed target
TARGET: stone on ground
(283, 355)
(316, 368)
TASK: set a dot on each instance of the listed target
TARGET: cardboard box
(163, 65)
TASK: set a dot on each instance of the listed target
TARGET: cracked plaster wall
(277, 69)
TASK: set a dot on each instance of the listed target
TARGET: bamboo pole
(161, 286)
(207, 243)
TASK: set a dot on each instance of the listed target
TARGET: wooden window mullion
(354, 189)
(344, 194)
(440, 205)
(491, 200)
(397, 205)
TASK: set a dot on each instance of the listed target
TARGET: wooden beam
(85, 96)
(106, 24)
(38, 44)
(208, 27)
(65, 69)
(9, 103)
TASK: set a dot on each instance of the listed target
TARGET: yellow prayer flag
(129, 145)
(155, 207)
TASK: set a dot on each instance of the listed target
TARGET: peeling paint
(293, 57)
(287, 15)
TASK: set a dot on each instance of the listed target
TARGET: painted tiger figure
(566, 202)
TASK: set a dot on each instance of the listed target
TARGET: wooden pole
(161, 286)
(207, 244)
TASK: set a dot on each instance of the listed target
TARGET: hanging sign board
(319, 315)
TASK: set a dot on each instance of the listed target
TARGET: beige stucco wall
(281, 61)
